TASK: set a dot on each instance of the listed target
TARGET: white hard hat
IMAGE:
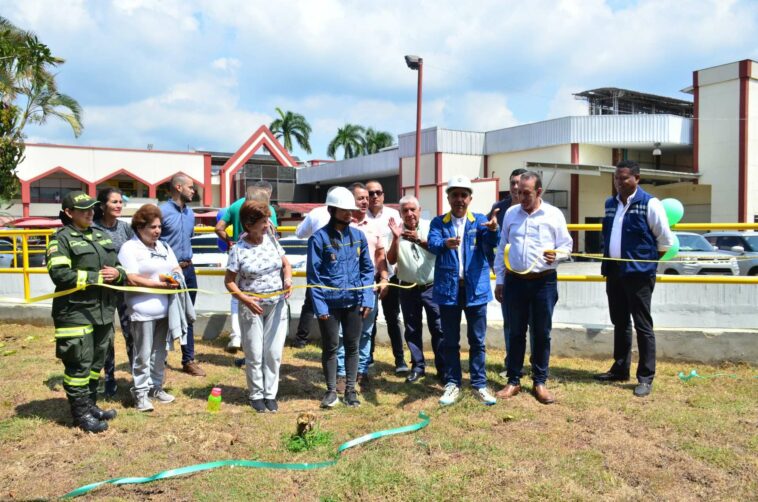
(342, 198)
(459, 182)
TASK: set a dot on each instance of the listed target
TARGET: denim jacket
(339, 260)
(476, 270)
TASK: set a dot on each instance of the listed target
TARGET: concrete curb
(709, 345)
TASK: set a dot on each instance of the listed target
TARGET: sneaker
(451, 394)
(239, 362)
(194, 369)
(330, 399)
(341, 384)
(143, 403)
(234, 344)
(258, 405)
(161, 395)
(401, 367)
(485, 396)
(351, 399)
(271, 405)
(299, 344)
(643, 389)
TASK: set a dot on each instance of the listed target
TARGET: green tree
(350, 139)
(373, 141)
(292, 125)
(28, 95)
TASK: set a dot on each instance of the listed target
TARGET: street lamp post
(417, 63)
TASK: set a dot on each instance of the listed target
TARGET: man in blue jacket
(635, 227)
(338, 258)
(462, 285)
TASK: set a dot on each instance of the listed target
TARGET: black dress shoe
(643, 389)
(611, 377)
(414, 376)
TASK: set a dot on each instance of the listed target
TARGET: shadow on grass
(53, 409)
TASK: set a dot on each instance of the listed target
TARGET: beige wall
(593, 190)
(466, 165)
(426, 170)
(696, 199)
(598, 155)
(718, 142)
(500, 165)
(752, 152)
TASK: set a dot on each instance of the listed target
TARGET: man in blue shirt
(462, 285)
(178, 227)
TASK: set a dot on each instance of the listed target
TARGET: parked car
(296, 251)
(37, 249)
(698, 257)
(205, 252)
(744, 244)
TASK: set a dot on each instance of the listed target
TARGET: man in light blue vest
(635, 227)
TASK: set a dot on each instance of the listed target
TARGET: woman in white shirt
(148, 263)
(257, 265)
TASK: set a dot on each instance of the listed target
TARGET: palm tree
(373, 141)
(28, 94)
(350, 139)
(290, 125)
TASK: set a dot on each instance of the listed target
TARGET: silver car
(744, 244)
(698, 257)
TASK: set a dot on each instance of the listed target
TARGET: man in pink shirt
(375, 237)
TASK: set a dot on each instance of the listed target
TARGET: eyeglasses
(154, 254)
(375, 193)
(416, 254)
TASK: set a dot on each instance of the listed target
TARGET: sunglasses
(375, 193)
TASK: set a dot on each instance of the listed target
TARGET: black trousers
(306, 318)
(629, 298)
(391, 309)
(351, 322)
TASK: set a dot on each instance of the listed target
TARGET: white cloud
(481, 111)
(565, 104)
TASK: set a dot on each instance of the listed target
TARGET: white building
(707, 153)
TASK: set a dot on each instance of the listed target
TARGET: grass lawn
(695, 440)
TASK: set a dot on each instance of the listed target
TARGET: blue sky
(205, 74)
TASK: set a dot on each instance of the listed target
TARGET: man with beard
(178, 227)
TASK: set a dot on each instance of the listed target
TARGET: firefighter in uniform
(79, 255)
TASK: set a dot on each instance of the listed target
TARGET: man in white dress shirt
(635, 227)
(538, 238)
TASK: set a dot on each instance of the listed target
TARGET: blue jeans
(188, 350)
(476, 319)
(523, 297)
(413, 302)
(364, 347)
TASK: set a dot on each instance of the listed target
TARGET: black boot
(80, 410)
(97, 412)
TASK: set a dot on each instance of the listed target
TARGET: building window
(52, 189)
(282, 179)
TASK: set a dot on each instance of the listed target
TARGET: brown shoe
(341, 383)
(194, 369)
(543, 395)
(509, 390)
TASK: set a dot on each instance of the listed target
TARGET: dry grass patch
(695, 440)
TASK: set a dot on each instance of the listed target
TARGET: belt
(532, 276)
(185, 263)
(421, 287)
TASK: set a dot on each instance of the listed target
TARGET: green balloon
(673, 250)
(674, 210)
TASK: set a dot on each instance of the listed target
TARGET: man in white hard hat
(462, 285)
(338, 258)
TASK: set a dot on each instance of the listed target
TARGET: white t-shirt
(258, 267)
(137, 258)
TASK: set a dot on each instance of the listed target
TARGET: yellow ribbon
(161, 291)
